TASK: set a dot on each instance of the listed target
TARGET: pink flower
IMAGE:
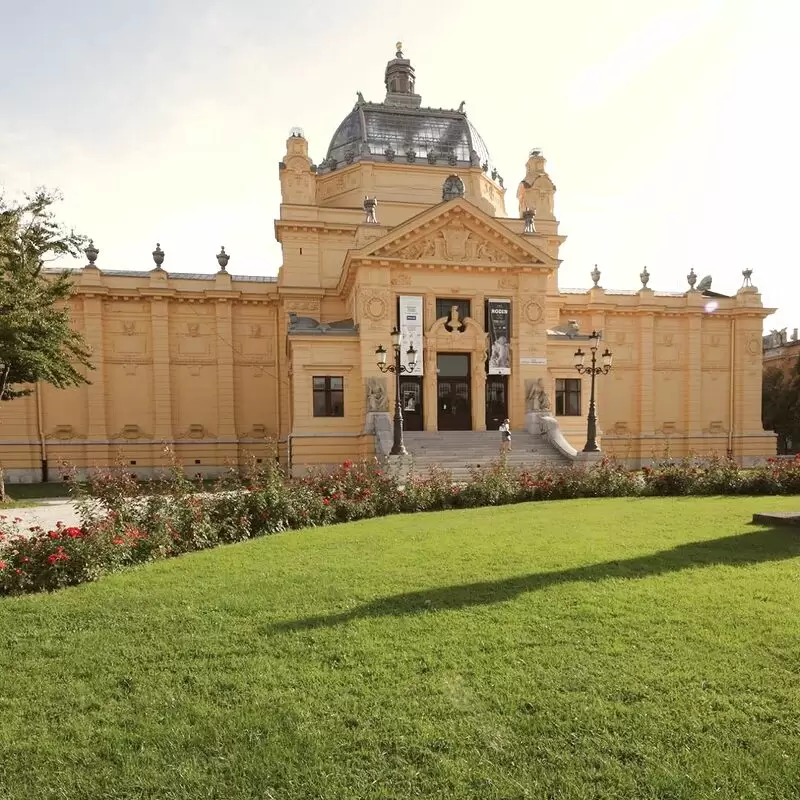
(2, 564)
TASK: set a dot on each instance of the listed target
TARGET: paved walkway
(47, 514)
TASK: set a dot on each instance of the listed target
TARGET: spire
(400, 81)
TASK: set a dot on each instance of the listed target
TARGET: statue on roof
(705, 284)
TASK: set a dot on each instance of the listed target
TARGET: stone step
(458, 451)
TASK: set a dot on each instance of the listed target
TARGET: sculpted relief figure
(454, 323)
(377, 399)
(424, 249)
(536, 398)
(569, 330)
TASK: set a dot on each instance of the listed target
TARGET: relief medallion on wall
(753, 345)
(374, 304)
(532, 311)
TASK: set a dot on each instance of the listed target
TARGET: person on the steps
(505, 440)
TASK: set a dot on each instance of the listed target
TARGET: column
(226, 411)
(162, 388)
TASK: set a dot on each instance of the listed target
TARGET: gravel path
(47, 514)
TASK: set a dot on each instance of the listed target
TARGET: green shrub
(125, 521)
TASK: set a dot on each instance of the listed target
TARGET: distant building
(781, 351)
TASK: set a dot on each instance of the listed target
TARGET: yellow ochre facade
(403, 223)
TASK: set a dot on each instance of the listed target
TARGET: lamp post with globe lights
(398, 368)
(593, 370)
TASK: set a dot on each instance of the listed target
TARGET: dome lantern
(400, 80)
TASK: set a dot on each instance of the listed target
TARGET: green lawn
(32, 494)
(631, 648)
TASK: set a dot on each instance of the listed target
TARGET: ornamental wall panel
(715, 401)
(129, 395)
(194, 400)
(668, 400)
(618, 407)
(256, 411)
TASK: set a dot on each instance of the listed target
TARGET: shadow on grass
(773, 544)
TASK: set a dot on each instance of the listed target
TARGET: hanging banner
(411, 329)
(499, 316)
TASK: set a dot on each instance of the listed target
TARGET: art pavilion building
(403, 223)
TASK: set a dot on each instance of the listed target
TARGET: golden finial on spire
(399, 47)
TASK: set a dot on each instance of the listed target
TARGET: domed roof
(399, 129)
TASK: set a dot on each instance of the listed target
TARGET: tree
(37, 342)
(780, 407)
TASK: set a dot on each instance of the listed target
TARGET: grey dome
(399, 129)
(408, 134)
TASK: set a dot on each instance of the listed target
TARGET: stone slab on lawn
(778, 518)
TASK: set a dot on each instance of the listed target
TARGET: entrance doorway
(453, 392)
(496, 401)
(411, 398)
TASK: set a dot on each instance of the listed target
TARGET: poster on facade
(499, 315)
(411, 329)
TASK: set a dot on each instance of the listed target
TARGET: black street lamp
(398, 447)
(594, 370)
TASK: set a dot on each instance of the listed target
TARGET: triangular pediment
(456, 232)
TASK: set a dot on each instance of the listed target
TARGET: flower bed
(127, 522)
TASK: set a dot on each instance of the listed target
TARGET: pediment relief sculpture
(455, 243)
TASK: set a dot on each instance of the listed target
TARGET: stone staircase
(458, 451)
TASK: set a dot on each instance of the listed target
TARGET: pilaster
(430, 389)
(646, 358)
(162, 389)
(478, 394)
(694, 375)
(226, 409)
(96, 390)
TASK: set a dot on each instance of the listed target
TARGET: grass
(19, 495)
(627, 648)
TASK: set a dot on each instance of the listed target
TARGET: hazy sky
(670, 128)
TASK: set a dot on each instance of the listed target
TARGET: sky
(670, 127)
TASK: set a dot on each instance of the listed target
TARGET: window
(568, 397)
(328, 397)
(444, 308)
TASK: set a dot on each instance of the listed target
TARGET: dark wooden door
(455, 408)
(411, 394)
(496, 401)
